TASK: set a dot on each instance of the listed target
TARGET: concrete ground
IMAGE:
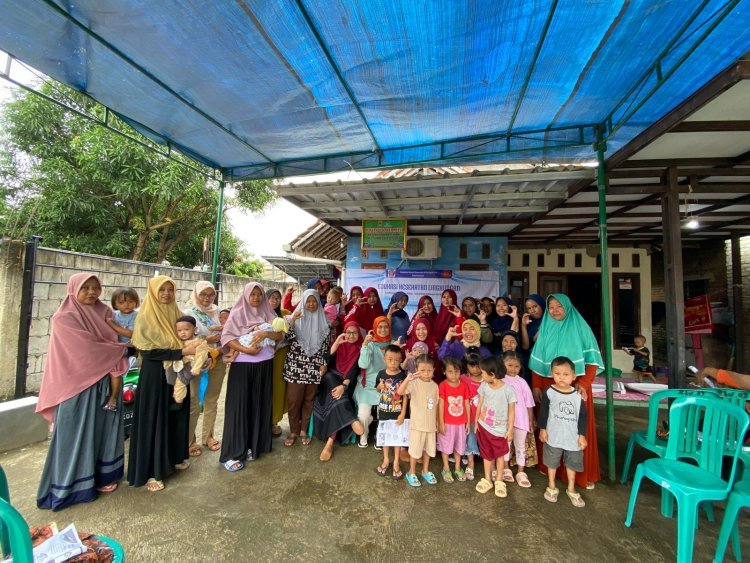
(289, 506)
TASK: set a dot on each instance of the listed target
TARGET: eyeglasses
(351, 332)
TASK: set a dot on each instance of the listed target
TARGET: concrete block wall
(54, 267)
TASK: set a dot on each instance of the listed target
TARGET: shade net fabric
(274, 88)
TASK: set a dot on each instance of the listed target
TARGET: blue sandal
(429, 478)
(413, 480)
(233, 465)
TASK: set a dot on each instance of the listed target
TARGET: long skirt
(247, 411)
(333, 416)
(279, 386)
(591, 471)
(86, 450)
(159, 439)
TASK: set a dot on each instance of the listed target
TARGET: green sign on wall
(383, 234)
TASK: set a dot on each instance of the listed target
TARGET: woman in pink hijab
(85, 455)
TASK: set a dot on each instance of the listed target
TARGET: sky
(264, 233)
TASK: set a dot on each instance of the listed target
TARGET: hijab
(570, 337)
(432, 317)
(347, 353)
(399, 319)
(243, 317)
(312, 327)
(429, 339)
(478, 328)
(212, 310)
(269, 293)
(155, 323)
(366, 314)
(501, 324)
(350, 304)
(444, 317)
(381, 341)
(512, 333)
(533, 327)
(312, 283)
(82, 349)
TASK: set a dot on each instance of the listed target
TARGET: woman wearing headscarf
(85, 455)
(159, 439)
(469, 342)
(421, 335)
(398, 317)
(247, 407)
(446, 316)
(367, 309)
(355, 294)
(371, 361)
(278, 406)
(309, 340)
(531, 321)
(425, 310)
(564, 332)
(202, 308)
(504, 318)
(333, 410)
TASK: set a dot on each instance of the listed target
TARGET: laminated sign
(383, 234)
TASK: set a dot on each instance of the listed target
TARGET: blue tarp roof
(262, 88)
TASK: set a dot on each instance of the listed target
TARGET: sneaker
(362, 443)
(377, 448)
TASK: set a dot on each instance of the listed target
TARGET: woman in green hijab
(564, 332)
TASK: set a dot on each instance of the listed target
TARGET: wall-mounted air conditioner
(421, 248)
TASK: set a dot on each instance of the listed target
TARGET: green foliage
(245, 266)
(85, 188)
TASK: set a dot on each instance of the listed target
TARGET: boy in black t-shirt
(391, 406)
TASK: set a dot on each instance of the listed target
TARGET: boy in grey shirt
(562, 429)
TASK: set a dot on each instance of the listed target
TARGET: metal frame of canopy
(510, 141)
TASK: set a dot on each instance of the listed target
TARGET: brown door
(549, 284)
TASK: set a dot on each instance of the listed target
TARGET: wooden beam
(673, 275)
(667, 162)
(711, 126)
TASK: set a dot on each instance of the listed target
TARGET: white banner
(416, 283)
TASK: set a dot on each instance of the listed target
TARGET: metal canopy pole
(674, 295)
(217, 237)
(601, 182)
(740, 354)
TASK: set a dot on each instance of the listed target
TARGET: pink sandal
(523, 480)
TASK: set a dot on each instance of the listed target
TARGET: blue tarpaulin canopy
(261, 88)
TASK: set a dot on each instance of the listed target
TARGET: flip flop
(233, 465)
(575, 499)
(305, 440)
(195, 450)
(276, 430)
(397, 475)
(182, 466)
(289, 440)
(154, 486)
(460, 475)
(447, 476)
(107, 488)
(213, 445)
(382, 470)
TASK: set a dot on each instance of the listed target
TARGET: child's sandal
(397, 475)
(382, 470)
(413, 480)
(483, 486)
(469, 472)
(447, 476)
(460, 475)
(575, 499)
(501, 489)
(523, 480)
(551, 494)
(507, 475)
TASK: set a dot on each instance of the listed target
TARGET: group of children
(483, 407)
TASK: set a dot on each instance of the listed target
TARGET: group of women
(318, 369)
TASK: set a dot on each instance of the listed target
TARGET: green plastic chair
(692, 484)
(14, 531)
(649, 440)
(739, 498)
